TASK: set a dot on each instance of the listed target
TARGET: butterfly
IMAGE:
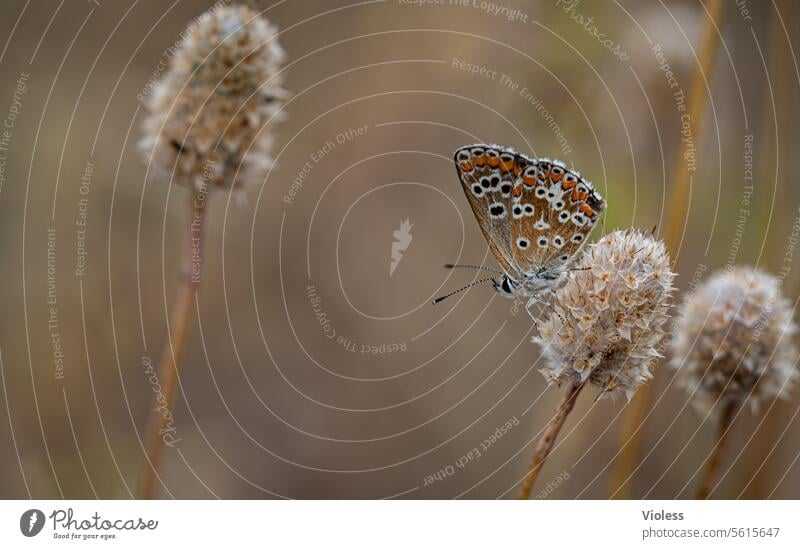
(535, 214)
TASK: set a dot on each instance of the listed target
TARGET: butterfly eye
(517, 212)
(558, 170)
(463, 155)
(563, 216)
(542, 242)
(540, 192)
(522, 243)
(528, 209)
(495, 181)
(485, 182)
(578, 219)
(558, 242)
(505, 189)
(477, 190)
(557, 205)
(477, 151)
(577, 237)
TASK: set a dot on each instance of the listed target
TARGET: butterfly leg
(528, 306)
(533, 299)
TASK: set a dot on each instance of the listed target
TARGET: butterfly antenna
(442, 298)
(465, 266)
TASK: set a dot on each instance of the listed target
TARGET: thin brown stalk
(710, 475)
(697, 101)
(545, 445)
(172, 354)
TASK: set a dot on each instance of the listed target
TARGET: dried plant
(734, 343)
(606, 326)
(611, 316)
(208, 127)
(208, 112)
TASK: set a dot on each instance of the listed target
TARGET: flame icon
(31, 522)
(402, 240)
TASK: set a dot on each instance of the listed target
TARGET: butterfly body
(524, 286)
(535, 214)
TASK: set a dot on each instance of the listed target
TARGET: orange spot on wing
(529, 181)
(466, 166)
(517, 169)
(556, 176)
(517, 190)
(567, 185)
(578, 196)
(586, 210)
(493, 161)
(480, 160)
(507, 166)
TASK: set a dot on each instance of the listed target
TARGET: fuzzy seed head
(735, 339)
(210, 116)
(610, 318)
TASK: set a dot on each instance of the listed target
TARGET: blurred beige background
(270, 405)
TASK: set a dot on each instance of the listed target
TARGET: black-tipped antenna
(442, 298)
(466, 266)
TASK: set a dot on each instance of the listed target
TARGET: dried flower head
(207, 115)
(609, 319)
(734, 338)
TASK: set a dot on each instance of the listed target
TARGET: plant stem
(707, 483)
(547, 441)
(172, 353)
(697, 99)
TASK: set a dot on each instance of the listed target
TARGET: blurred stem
(172, 353)
(547, 441)
(707, 483)
(697, 100)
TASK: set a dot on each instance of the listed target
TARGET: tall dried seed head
(609, 319)
(210, 116)
(734, 338)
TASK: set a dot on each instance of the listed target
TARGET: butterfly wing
(552, 215)
(535, 214)
(488, 174)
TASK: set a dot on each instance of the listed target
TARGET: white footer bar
(401, 524)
